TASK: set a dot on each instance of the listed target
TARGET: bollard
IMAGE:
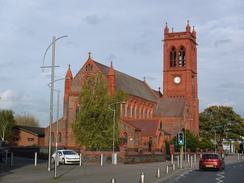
(113, 180)
(188, 158)
(101, 159)
(12, 159)
(114, 158)
(80, 159)
(35, 158)
(178, 161)
(6, 157)
(158, 172)
(173, 167)
(167, 169)
(172, 158)
(195, 158)
(238, 156)
(191, 162)
(56, 164)
(181, 162)
(142, 178)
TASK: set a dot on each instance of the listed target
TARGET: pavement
(21, 171)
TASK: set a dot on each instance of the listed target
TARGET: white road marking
(221, 176)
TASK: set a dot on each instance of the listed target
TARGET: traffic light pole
(185, 143)
(181, 157)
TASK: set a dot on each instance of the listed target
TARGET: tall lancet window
(173, 57)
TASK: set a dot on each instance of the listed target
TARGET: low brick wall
(95, 157)
(29, 151)
(125, 156)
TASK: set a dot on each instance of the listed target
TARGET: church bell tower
(180, 71)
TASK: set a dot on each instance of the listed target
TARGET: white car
(66, 157)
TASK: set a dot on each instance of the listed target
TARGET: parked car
(66, 157)
(3, 151)
(211, 161)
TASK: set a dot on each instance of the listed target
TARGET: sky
(129, 33)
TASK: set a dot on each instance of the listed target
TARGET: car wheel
(53, 160)
(223, 168)
(63, 161)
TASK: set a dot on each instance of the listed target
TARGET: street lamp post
(113, 154)
(56, 156)
(51, 95)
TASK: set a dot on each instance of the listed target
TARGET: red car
(211, 161)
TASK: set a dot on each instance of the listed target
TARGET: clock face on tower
(177, 80)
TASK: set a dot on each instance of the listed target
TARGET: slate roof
(148, 127)
(170, 107)
(33, 130)
(129, 84)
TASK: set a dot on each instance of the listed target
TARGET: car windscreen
(210, 156)
(69, 152)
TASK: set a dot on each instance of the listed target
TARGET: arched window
(59, 137)
(173, 57)
(89, 79)
(125, 138)
(182, 57)
(161, 126)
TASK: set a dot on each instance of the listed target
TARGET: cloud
(21, 103)
(94, 19)
(221, 43)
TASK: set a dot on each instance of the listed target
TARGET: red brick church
(148, 116)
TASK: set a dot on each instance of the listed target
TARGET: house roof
(33, 130)
(170, 107)
(129, 84)
(148, 127)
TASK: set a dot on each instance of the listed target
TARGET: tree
(94, 124)
(28, 120)
(205, 144)
(237, 146)
(7, 122)
(220, 122)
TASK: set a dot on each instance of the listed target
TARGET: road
(234, 173)
(24, 171)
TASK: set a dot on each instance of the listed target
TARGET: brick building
(27, 136)
(148, 117)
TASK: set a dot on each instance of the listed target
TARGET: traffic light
(180, 138)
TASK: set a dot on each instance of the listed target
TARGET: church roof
(38, 131)
(170, 107)
(129, 84)
(148, 127)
